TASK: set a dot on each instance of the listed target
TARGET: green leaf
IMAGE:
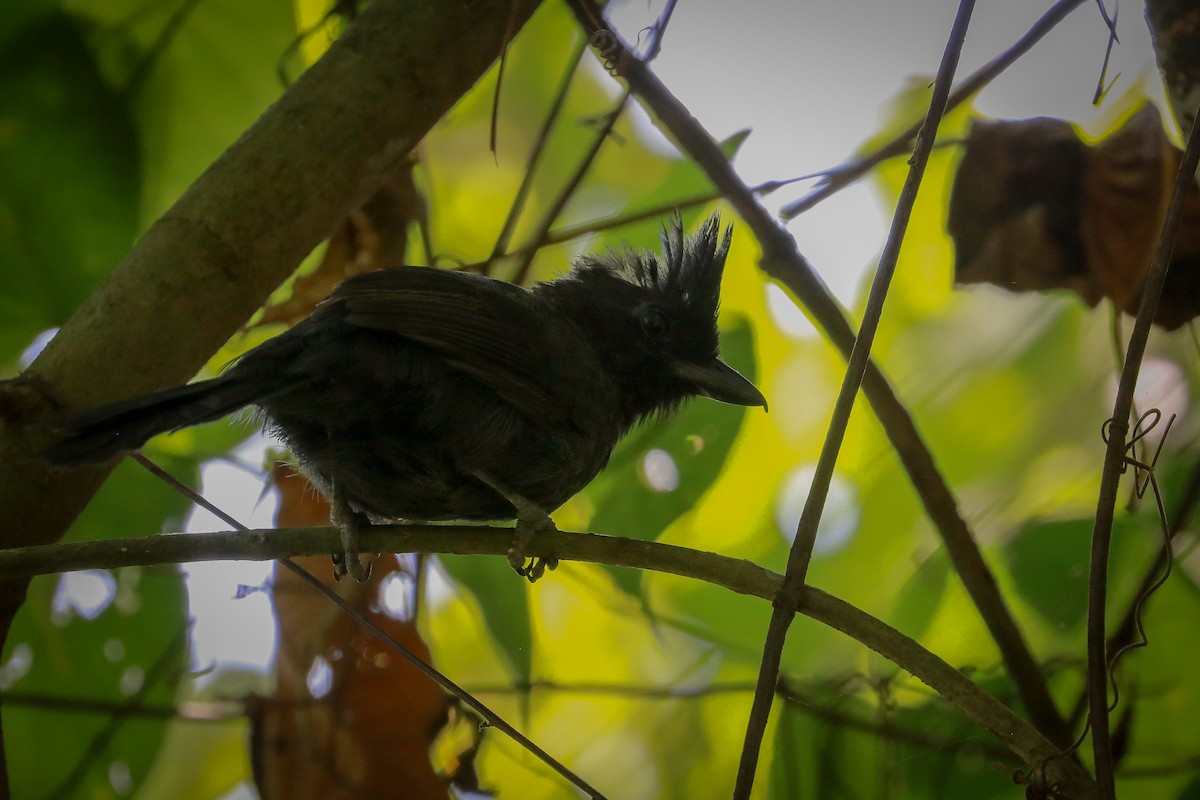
(21, 15)
(504, 599)
(1049, 564)
(199, 74)
(918, 600)
(91, 659)
(132, 502)
(733, 143)
(1191, 791)
(812, 757)
(139, 638)
(69, 173)
(942, 757)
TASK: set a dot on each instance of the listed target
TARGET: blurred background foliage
(640, 682)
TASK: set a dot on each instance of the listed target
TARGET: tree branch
(800, 555)
(201, 270)
(1114, 461)
(845, 175)
(743, 577)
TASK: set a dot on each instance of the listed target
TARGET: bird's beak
(718, 380)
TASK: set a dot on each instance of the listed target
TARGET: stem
(395, 645)
(841, 177)
(1114, 457)
(856, 367)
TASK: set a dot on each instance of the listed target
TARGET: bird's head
(653, 319)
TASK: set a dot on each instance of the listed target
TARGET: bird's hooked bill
(718, 380)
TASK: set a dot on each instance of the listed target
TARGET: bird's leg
(349, 523)
(531, 520)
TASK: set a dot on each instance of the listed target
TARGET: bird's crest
(689, 268)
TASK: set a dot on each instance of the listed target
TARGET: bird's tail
(96, 435)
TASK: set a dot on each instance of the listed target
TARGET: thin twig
(339, 8)
(807, 701)
(1114, 456)
(856, 367)
(659, 28)
(491, 718)
(842, 177)
(550, 216)
(571, 185)
(536, 151)
(569, 232)
(211, 711)
(1103, 85)
(1139, 639)
(161, 42)
(1127, 628)
(782, 261)
(510, 30)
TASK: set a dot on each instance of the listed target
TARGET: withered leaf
(1034, 208)
(349, 718)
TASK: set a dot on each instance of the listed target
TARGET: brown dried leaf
(366, 727)
(1125, 190)
(1014, 208)
(1033, 208)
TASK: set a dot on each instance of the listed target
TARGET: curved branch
(737, 575)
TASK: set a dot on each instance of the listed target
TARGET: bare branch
(1114, 459)
(800, 554)
(737, 575)
(841, 177)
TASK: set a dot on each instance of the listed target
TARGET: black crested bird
(423, 394)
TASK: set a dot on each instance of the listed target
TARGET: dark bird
(424, 394)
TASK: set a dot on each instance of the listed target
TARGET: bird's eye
(654, 322)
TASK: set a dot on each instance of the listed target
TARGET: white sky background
(811, 80)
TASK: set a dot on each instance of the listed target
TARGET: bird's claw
(532, 519)
(354, 565)
(527, 528)
(349, 562)
(537, 567)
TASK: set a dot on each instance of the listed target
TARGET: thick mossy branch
(201, 270)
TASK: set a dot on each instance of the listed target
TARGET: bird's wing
(492, 331)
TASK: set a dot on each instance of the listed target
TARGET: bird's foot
(349, 524)
(532, 519)
(527, 528)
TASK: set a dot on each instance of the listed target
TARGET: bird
(423, 394)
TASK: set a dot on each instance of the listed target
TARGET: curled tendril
(1034, 779)
(1143, 478)
(1036, 785)
(611, 50)
(1145, 423)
